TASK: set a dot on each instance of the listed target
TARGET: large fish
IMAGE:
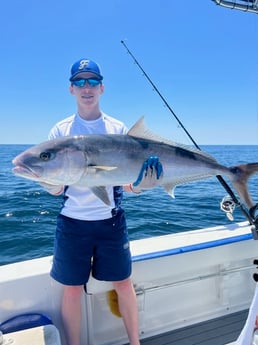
(97, 161)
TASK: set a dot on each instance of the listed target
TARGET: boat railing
(243, 5)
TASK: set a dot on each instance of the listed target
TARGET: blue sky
(203, 58)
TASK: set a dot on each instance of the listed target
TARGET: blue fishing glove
(149, 176)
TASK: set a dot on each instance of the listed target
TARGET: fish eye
(45, 156)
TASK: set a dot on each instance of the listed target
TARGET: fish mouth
(22, 170)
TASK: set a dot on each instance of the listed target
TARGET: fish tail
(239, 178)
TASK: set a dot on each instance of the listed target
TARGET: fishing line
(219, 177)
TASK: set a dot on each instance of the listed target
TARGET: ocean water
(28, 213)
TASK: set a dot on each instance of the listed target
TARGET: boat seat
(41, 335)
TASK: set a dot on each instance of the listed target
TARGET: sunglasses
(90, 81)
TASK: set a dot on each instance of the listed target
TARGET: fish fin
(140, 130)
(101, 193)
(170, 188)
(104, 167)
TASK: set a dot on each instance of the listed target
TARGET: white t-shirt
(80, 202)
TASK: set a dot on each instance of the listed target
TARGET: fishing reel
(228, 205)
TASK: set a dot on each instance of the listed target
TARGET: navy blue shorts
(100, 246)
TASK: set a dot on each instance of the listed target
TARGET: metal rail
(242, 5)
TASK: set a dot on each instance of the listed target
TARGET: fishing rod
(249, 215)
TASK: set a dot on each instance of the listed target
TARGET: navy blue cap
(85, 65)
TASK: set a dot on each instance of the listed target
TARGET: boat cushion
(41, 335)
(24, 321)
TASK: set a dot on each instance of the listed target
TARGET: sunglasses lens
(82, 82)
(79, 82)
(93, 82)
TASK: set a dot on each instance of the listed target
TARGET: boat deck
(219, 331)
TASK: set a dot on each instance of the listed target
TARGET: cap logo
(83, 64)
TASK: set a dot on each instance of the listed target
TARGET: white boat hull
(180, 279)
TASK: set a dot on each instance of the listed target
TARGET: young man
(91, 236)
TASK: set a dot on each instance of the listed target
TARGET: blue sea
(28, 213)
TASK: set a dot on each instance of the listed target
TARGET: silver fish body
(97, 161)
